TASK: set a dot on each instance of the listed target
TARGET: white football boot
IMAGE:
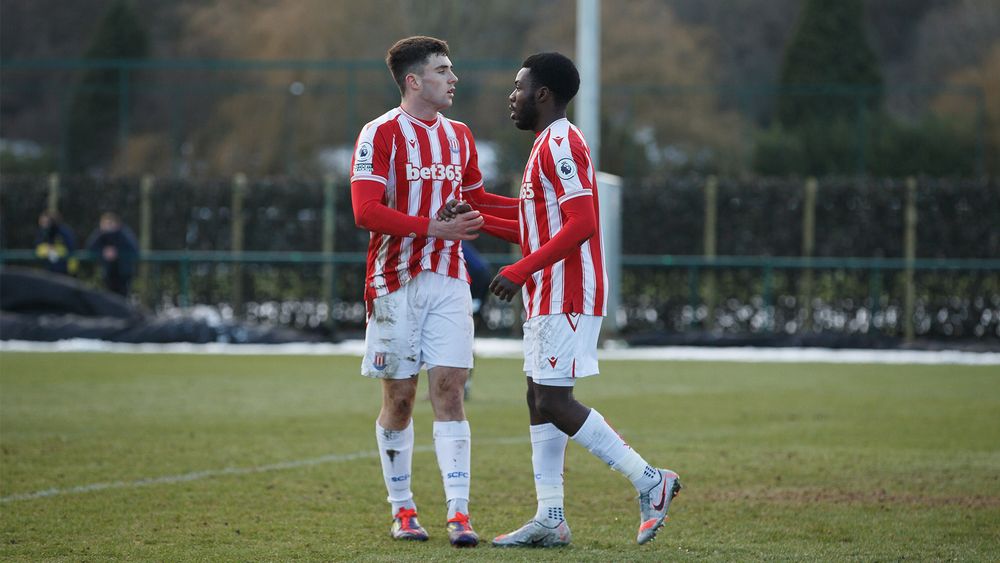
(654, 503)
(535, 534)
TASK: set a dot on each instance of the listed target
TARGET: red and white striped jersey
(422, 165)
(560, 169)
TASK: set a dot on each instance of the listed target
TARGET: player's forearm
(505, 229)
(580, 225)
(492, 204)
(373, 215)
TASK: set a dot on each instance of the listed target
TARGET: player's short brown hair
(408, 54)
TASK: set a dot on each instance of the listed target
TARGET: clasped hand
(455, 221)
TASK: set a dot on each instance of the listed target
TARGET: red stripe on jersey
(435, 201)
(451, 152)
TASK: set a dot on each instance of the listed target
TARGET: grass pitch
(229, 458)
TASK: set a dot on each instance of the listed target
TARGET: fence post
(329, 234)
(709, 242)
(145, 235)
(910, 255)
(53, 203)
(123, 107)
(185, 275)
(610, 192)
(236, 238)
(808, 248)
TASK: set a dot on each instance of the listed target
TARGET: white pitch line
(210, 473)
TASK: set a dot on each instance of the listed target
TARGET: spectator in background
(115, 248)
(55, 244)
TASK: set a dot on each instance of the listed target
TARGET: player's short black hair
(409, 53)
(556, 72)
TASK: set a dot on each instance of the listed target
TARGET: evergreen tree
(94, 113)
(830, 87)
(828, 64)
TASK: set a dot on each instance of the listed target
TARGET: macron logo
(552, 361)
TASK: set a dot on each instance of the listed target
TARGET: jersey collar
(420, 122)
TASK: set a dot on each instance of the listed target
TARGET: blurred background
(793, 172)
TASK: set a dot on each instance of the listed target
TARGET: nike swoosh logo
(663, 496)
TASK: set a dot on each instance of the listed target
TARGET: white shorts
(561, 348)
(427, 322)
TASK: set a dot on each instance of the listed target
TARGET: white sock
(601, 440)
(453, 444)
(548, 451)
(395, 448)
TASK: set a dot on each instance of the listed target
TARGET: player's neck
(419, 109)
(544, 120)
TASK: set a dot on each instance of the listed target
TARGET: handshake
(456, 220)
(503, 285)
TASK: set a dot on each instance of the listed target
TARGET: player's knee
(399, 403)
(549, 405)
(401, 407)
(448, 399)
(449, 384)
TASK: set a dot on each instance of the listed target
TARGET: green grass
(779, 461)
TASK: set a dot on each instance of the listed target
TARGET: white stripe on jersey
(434, 143)
(454, 187)
(554, 217)
(528, 209)
(415, 193)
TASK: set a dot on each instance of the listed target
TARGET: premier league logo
(364, 151)
(363, 160)
(566, 168)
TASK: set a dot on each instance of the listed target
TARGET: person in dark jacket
(55, 244)
(114, 247)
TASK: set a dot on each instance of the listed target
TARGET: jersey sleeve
(580, 225)
(567, 164)
(373, 153)
(372, 214)
(492, 204)
(472, 178)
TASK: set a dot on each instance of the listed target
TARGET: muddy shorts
(425, 323)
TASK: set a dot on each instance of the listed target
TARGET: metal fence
(674, 294)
